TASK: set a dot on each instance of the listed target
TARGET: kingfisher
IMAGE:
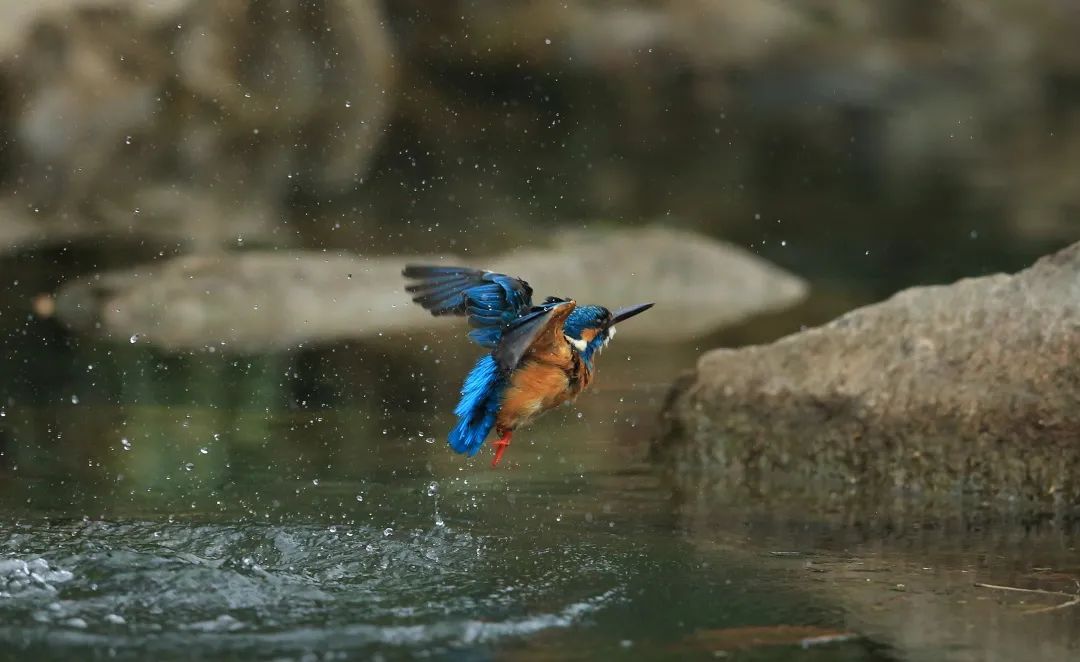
(541, 355)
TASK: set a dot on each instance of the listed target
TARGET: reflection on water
(190, 522)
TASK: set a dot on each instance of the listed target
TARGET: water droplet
(360, 497)
(74, 399)
(127, 140)
(387, 532)
(348, 104)
(204, 450)
(125, 443)
(439, 521)
(189, 466)
(134, 338)
(430, 440)
(432, 489)
(315, 482)
(547, 41)
(580, 415)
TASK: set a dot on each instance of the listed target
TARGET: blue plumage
(492, 301)
(481, 395)
(588, 317)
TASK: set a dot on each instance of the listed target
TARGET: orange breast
(538, 385)
(534, 388)
(549, 374)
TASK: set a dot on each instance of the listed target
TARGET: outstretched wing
(531, 329)
(491, 301)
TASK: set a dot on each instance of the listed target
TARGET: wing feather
(538, 329)
(491, 301)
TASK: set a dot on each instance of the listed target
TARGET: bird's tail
(481, 395)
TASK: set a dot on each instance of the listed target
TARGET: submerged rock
(264, 301)
(944, 394)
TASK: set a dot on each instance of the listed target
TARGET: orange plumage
(548, 375)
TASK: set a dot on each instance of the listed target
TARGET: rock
(940, 396)
(259, 301)
(703, 283)
(244, 302)
(188, 122)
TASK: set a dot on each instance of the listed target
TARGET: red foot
(500, 447)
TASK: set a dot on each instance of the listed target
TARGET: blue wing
(491, 301)
(520, 335)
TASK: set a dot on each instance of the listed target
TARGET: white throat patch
(578, 344)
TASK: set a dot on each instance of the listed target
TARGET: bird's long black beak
(628, 312)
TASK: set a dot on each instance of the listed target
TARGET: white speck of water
(189, 466)
(125, 443)
(432, 489)
(204, 450)
(387, 532)
(360, 497)
(74, 399)
(134, 338)
(348, 104)
(547, 41)
(580, 415)
(430, 440)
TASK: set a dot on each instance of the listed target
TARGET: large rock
(184, 122)
(262, 301)
(703, 283)
(939, 395)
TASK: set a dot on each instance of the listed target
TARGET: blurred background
(205, 205)
(860, 148)
(208, 203)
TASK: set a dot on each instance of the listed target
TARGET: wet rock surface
(264, 301)
(946, 395)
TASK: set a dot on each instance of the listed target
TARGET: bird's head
(590, 328)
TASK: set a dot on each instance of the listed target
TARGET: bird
(540, 355)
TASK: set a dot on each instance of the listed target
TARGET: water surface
(180, 526)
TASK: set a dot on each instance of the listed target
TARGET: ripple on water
(281, 589)
(19, 577)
